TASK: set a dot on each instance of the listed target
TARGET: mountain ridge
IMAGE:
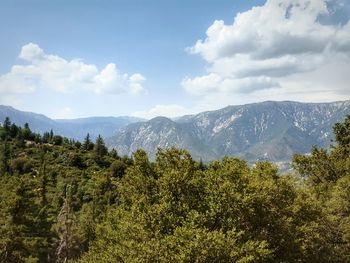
(269, 130)
(71, 128)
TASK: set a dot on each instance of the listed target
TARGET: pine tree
(7, 124)
(113, 153)
(13, 130)
(51, 134)
(66, 228)
(27, 133)
(100, 149)
(87, 143)
(5, 155)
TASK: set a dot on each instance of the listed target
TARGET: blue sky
(70, 59)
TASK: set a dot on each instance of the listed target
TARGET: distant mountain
(38, 122)
(105, 126)
(75, 128)
(268, 130)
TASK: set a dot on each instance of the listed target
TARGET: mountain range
(71, 128)
(268, 130)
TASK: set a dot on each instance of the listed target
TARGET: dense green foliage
(63, 200)
(53, 191)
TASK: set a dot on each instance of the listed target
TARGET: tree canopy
(62, 200)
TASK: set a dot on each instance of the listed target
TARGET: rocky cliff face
(267, 130)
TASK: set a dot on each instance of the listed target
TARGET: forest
(68, 201)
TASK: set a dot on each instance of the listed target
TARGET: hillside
(66, 201)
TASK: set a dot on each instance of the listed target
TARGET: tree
(7, 125)
(87, 144)
(342, 132)
(66, 228)
(327, 173)
(51, 134)
(164, 216)
(118, 168)
(5, 156)
(27, 133)
(322, 166)
(57, 140)
(78, 144)
(13, 130)
(113, 153)
(46, 137)
(100, 150)
(17, 220)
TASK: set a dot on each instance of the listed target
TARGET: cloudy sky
(80, 58)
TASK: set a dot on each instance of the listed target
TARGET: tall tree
(7, 124)
(5, 155)
(66, 228)
(87, 143)
(100, 149)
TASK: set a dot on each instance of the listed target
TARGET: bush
(21, 165)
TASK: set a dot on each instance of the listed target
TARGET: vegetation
(62, 200)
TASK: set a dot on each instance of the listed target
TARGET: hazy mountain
(74, 128)
(105, 126)
(267, 130)
(37, 122)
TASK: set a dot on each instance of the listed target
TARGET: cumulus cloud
(56, 73)
(267, 46)
(273, 30)
(31, 52)
(170, 111)
(215, 83)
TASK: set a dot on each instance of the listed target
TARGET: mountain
(267, 130)
(38, 122)
(105, 126)
(158, 132)
(74, 128)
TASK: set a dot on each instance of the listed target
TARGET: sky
(146, 58)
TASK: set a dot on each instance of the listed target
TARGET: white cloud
(170, 111)
(56, 73)
(31, 52)
(135, 83)
(281, 46)
(202, 84)
(273, 30)
(215, 83)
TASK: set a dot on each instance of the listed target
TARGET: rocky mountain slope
(268, 130)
